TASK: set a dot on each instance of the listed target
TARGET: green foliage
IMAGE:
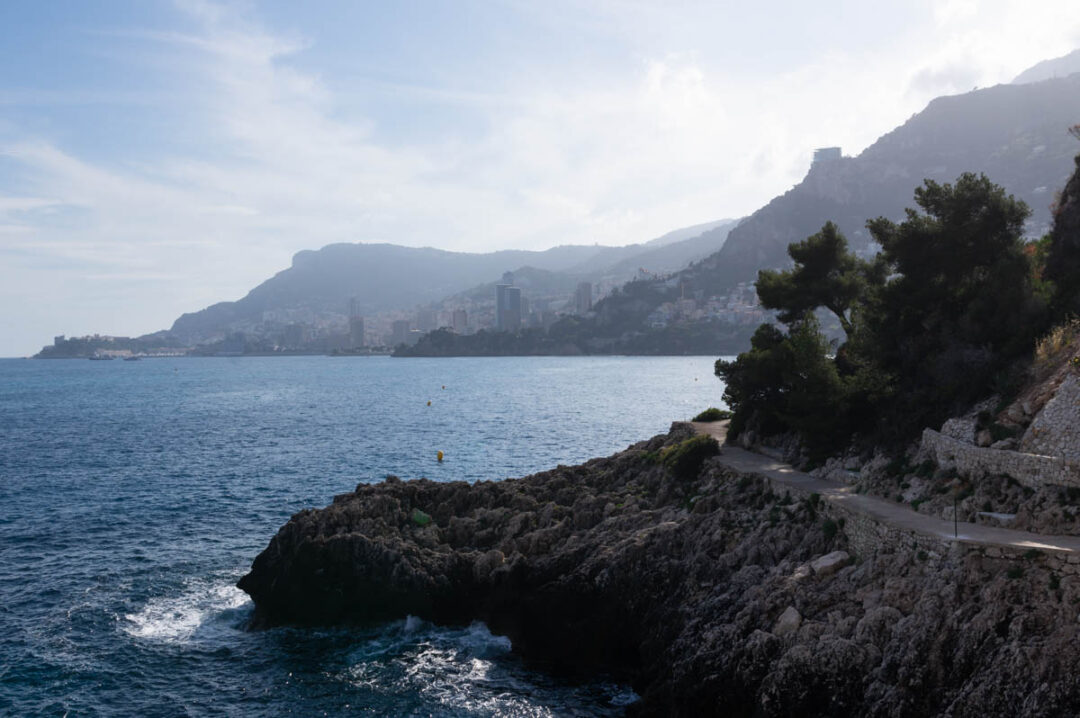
(713, 414)
(826, 275)
(420, 518)
(829, 528)
(686, 458)
(960, 304)
(787, 382)
(939, 320)
(1063, 254)
(1014, 572)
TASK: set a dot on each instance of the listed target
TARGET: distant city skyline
(157, 157)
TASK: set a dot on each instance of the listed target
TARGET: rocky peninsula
(708, 588)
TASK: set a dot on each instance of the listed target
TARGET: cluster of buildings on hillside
(509, 309)
(739, 307)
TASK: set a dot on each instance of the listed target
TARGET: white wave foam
(178, 618)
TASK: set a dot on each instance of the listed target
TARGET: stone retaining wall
(1032, 470)
(866, 535)
(1056, 429)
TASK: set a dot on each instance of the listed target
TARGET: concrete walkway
(898, 515)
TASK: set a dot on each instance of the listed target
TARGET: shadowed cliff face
(698, 588)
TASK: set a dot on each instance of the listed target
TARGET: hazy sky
(156, 157)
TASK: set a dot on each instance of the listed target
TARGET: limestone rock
(830, 563)
(789, 621)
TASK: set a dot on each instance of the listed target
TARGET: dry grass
(1058, 344)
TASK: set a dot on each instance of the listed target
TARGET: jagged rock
(789, 621)
(984, 438)
(609, 568)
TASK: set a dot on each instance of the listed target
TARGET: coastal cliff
(708, 591)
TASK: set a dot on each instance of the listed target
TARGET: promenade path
(897, 515)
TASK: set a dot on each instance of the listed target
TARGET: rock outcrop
(710, 593)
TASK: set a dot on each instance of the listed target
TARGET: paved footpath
(887, 512)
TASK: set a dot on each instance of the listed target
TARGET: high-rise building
(356, 332)
(512, 314)
(500, 306)
(356, 324)
(426, 320)
(399, 332)
(583, 298)
(460, 321)
(355, 308)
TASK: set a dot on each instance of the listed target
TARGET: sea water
(133, 495)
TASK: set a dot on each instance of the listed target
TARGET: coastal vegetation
(713, 414)
(948, 313)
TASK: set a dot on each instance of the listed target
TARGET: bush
(713, 414)
(1058, 340)
(829, 528)
(686, 458)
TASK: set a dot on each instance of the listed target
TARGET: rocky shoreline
(707, 591)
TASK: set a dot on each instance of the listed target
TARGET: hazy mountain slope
(1016, 134)
(668, 256)
(679, 235)
(1049, 69)
(380, 276)
(387, 276)
(677, 255)
(535, 283)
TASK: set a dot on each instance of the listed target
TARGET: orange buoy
(438, 455)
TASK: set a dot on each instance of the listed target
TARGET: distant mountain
(1015, 134)
(386, 277)
(677, 255)
(679, 235)
(1050, 69)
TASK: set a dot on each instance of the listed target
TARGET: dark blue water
(134, 494)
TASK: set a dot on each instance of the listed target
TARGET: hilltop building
(823, 155)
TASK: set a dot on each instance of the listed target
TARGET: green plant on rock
(686, 458)
(713, 414)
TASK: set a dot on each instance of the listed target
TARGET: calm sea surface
(134, 494)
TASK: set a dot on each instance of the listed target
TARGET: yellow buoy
(429, 402)
(438, 455)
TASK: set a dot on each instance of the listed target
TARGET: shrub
(829, 528)
(1014, 572)
(686, 458)
(713, 414)
(1059, 339)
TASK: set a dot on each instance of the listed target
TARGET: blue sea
(133, 495)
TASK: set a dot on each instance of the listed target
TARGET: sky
(159, 156)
